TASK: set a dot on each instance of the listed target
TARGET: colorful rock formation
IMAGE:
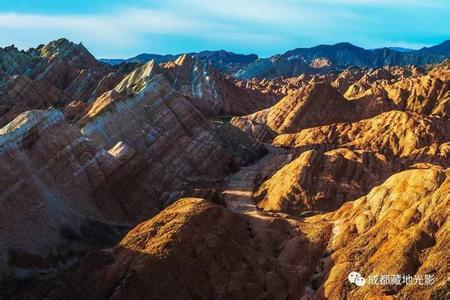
(169, 179)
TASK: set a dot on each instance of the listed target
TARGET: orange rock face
(318, 181)
(393, 133)
(400, 227)
(299, 110)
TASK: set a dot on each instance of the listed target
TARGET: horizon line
(217, 50)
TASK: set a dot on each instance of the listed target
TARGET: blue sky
(126, 28)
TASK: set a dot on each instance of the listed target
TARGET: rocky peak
(75, 54)
(185, 60)
(59, 48)
(135, 81)
(317, 103)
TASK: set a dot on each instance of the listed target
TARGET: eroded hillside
(172, 180)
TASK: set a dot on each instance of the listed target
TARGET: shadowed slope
(195, 249)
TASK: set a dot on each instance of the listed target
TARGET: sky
(125, 28)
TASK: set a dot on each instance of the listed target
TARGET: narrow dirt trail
(305, 237)
(239, 187)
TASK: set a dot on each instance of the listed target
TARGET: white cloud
(260, 26)
(178, 16)
(255, 11)
(235, 21)
(125, 22)
(393, 3)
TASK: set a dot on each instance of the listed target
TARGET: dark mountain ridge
(320, 59)
(325, 58)
(222, 60)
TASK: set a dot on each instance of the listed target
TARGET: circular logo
(360, 281)
(356, 278)
(352, 276)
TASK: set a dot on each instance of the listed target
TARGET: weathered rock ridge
(50, 174)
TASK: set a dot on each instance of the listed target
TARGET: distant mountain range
(325, 58)
(315, 60)
(224, 61)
